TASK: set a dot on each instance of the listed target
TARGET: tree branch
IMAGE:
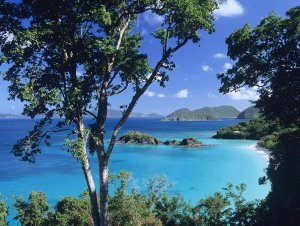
(138, 94)
(90, 113)
(119, 91)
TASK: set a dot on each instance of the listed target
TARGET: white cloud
(245, 94)
(149, 93)
(184, 93)
(211, 95)
(229, 8)
(206, 68)
(227, 66)
(220, 56)
(153, 94)
(161, 95)
(152, 18)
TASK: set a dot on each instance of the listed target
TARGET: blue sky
(193, 83)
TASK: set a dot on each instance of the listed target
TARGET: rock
(134, 137)
(190, 142)
(171, 142)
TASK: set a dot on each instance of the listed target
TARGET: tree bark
(104, 217)
(92, 193)
(89, 177)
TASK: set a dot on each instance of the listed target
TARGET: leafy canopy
(268, 56)
(67, 58)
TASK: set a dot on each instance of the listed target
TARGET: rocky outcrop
(190, 142)
(171, 142)
(134, 137)
(186, 142)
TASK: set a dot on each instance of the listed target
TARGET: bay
(196, 172)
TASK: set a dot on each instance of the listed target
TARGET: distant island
(249, 113)
(112, 113)
(206, 113)
(11, 116)
(183, 114)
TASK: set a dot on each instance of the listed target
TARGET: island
(135, 137)
(249, 113)
(11, 116)
(202, 114)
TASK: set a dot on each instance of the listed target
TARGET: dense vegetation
(249, 113)
(268, 57)
(254, 129)
(130, 207)
(206, 113)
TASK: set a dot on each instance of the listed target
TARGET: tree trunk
(104, 218)
(92, 192)
(89, 177)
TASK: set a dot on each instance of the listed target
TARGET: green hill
(249, 113)
(206, 113)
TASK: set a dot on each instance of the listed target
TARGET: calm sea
(196, 172)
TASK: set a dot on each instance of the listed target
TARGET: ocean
(195, 172)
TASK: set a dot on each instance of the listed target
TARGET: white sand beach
(260, 150)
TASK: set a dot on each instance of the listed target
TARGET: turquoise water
(196, 172)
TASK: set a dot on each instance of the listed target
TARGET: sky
(193, 83)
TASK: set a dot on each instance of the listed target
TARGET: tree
(3, 211)
(268, 57)
(52, 40)
(72, 211)
(34, 212)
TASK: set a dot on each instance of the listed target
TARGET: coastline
(260, 150)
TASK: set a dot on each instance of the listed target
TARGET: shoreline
(260, 150)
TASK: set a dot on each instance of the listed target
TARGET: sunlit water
(196, 172)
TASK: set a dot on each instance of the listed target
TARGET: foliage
(3, 211)
(268, 57)
(72, 211)
(206, 113)
(130, 209)
(269, 141)
(282, 204)
(254, 129)
(249, 113)
(34, 212)
(153, 207)
(216, 210)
